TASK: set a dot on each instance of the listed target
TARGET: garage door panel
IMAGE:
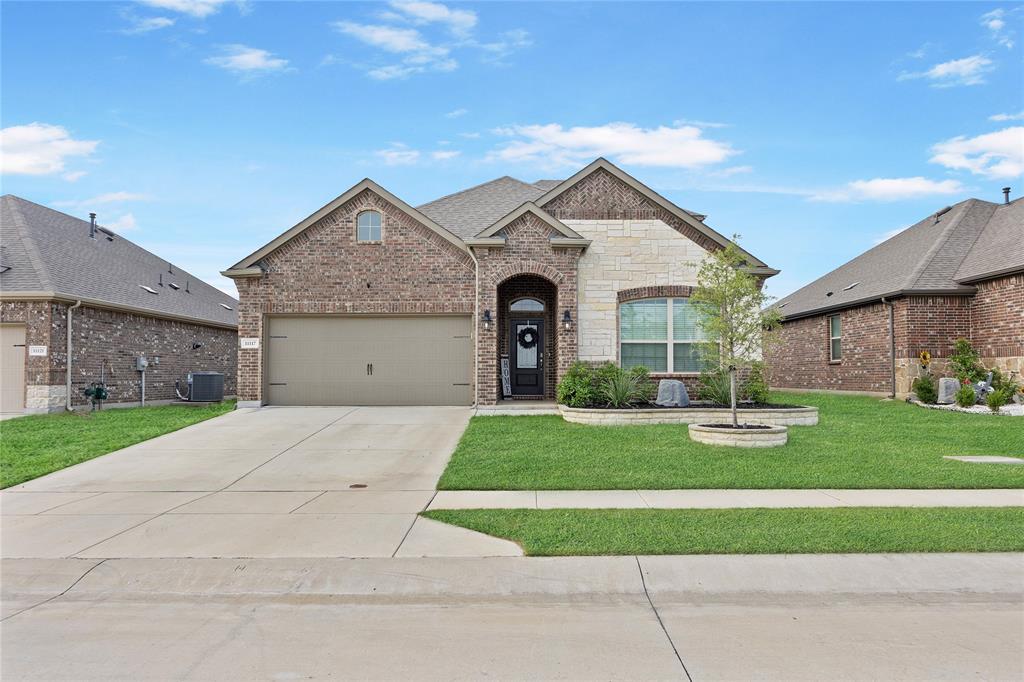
(12, 368)
(323, 360)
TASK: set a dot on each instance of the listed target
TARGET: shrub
(1007, 384)
(648, 389)
(965, 362)
(997, 399)
(714, 386)
(621, 389)
(576, 389)
(966, 397)
(925, 390)
(756, 386)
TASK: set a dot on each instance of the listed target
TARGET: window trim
(543, 305)
(669, 341)
(828, 329)
(370, 241)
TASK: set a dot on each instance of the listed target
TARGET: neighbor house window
(835, 336)
(368, 226)
(662, 334)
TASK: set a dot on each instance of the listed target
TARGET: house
(80, 304)
(956, 274)
(370, 301)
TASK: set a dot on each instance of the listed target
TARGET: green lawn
(33, 446)
(860, 442)
(559, 532)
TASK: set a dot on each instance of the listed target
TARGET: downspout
(67, 362)
(892, 347)
(476, 326)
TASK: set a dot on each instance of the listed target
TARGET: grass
(860, 442)
(573, 532)
(36, 445)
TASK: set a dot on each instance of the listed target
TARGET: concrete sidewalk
(721, 499)
(796, 617)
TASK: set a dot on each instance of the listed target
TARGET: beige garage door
(369, 360)
(12, 367)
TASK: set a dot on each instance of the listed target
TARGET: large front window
(662, 334)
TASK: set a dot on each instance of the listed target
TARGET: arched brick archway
(544, 290)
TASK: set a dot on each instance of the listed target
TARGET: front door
(526, 340)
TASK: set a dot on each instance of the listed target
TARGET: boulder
(947, 390)
(672, 393)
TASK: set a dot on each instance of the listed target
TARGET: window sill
(673, 375)
(835, 362)
(369, 243)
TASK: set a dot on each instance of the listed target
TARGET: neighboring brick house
(123, 302)
(956, 274)
(372, 301)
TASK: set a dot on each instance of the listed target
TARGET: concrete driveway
(273, 482)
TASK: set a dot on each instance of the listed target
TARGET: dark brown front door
(526, 362)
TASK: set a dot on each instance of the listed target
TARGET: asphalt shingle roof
(473, 210)
(50, 251)
(930, 256)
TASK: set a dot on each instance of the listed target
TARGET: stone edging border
(772, 437)
(795, 416)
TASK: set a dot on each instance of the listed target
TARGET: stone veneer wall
(323, 270)
(113, 339)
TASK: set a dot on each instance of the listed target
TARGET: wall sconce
(487, 319)
(567, 319)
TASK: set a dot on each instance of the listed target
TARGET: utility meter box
(141, 363)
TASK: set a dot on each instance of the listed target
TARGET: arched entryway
(527, 338)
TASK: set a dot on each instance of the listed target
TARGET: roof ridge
(470, 189)
(31, 250)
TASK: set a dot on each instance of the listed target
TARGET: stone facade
(324, 270)
(111, 340)
(992, 319)
(797, 416)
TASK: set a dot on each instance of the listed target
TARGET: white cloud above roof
(247, 60)
(199, 9)
(39, 149)
(966, 71)
(459, 21)
(1019, 116)
(552, 145)
(890, 189)
(999, 154)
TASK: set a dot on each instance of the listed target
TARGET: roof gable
(529, 207)
(467, 212)
(245, 267)
(999, 249)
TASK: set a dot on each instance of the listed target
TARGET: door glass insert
(527, 344)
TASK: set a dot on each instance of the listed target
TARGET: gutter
(476, 326)
(107, 305)
(970, 291)
(67, 361)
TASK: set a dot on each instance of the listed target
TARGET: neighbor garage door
(369, 360)
(12, 367)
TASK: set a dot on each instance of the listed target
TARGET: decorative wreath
(527, 337)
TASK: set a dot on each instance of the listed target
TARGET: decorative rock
(672, 393)
(947, 390)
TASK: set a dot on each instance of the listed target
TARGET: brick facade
(992, 319)
(324, 270)
(112, 340)
(541, 289)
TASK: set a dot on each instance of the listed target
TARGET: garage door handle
(369, 369)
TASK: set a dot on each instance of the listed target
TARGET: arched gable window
(524, 305)
(662, 334)
(368, 226)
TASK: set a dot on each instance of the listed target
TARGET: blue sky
(202, 129)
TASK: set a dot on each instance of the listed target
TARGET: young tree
(735, 318)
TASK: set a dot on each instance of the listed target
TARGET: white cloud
(999, 154)
(669, 146)
(74, 176)
(459, 21)
(731, 171)
(444, 155)
(247, 60)
(699, 124)
(195, 8)
(967, 71)
(120, 197)
(470, 136)
(398, 155)
(507, 43)
(141, 25)
(456, 113)
(995, 22)
(889, 189)
(420, 57)
(123, 223)
(1019, 116)
(886, 236)
(39, 149)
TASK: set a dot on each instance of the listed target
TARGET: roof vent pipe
(92, 226)
(1006, 195)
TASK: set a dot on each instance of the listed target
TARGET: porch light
(567, 319)
(487, 319)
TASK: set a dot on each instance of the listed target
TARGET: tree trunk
(732, 396)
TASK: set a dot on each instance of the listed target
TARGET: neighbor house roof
(938, 255)
(47, 254)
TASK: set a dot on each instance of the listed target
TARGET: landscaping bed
(861, 442)
(37, 445)
(563, 532)
(770, 414)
